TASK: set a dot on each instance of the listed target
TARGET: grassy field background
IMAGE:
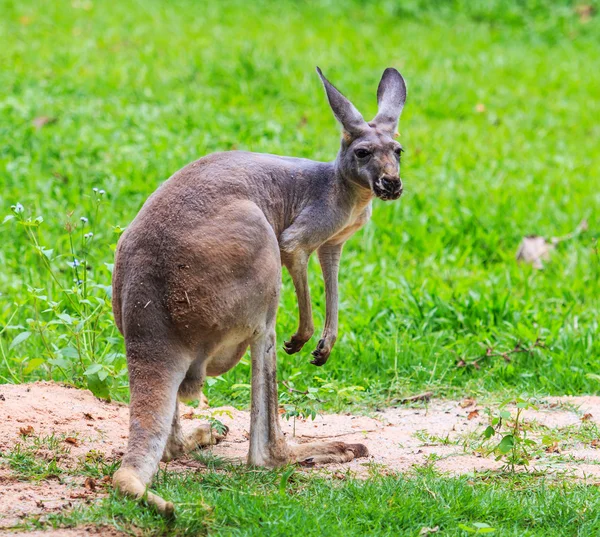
(501, 135)
(500, 131)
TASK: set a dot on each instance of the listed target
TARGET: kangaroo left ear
(343, 110)
(391, 96)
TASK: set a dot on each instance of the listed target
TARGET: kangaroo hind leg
(155, 373)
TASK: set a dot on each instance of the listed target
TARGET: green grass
(276, 503)
(135, 90)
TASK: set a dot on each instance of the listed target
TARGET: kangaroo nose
(392, 185)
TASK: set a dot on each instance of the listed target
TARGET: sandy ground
(398, 439)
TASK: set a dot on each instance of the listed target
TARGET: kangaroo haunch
(197, 278)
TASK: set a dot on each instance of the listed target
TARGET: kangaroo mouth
(387, 194)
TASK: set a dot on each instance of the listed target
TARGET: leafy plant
(70, 313)
(506, 437)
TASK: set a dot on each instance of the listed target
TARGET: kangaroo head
(369, 155)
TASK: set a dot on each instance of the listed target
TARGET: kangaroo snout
(388, 187)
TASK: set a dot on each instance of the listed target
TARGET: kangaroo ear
(344, 111)
(391, 96)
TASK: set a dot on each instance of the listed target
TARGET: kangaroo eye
(362, 153)
(398, 150)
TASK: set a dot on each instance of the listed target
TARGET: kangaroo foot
(203, 436)
(127, 482)
(327, 452)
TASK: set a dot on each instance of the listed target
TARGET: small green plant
(298, 403)
(514, 446)
(429, 439)
(37, 457)
(70, 313)
(212, 417)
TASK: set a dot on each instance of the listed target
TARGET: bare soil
(398, 440)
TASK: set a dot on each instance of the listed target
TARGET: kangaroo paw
(321, 353)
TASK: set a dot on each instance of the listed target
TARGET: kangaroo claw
(321, 354)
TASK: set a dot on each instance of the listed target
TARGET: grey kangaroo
(197, 278)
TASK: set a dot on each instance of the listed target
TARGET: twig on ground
(489, 353)
(426, 396)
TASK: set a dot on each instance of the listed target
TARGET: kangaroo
(197, 278)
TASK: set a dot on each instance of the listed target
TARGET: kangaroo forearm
(329, 257)
(298, 268)
(297, 265)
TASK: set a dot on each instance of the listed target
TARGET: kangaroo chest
(357, 221)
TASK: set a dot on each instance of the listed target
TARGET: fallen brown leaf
(42, 121)
(585, 12)
(595, 443)
(467, 402)
(88, 416)
(473, 414)
(26, 431)
(71, 440)
(90, 484)
(586, 417)
(428, 531)
(534, 250)
(553, 448)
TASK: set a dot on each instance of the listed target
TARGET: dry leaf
(71, 440)
(88, 416)
(553, 448)
(42, 121)
(473, 414)
(90, 484)
(26, 431)
(595, 443)
(467, 402)
(428, 531)
(585, 12)
(534, 250)
(586, 417)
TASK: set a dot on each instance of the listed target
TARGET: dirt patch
(84, 531)
(398, 439)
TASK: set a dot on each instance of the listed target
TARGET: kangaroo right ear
(344, 111)
(391, 96)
